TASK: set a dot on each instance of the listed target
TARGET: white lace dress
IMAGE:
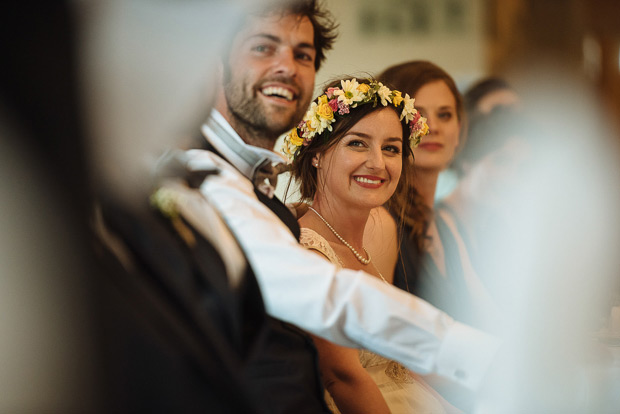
(403, 392)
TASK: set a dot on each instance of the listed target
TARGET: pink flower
(333, 104)
(343, 108)
(330, 93)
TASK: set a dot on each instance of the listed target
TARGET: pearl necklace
(359, 256)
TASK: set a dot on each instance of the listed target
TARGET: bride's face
(363, 168)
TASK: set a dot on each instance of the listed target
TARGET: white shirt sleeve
(347, 307)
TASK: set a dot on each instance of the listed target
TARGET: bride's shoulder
(312, 240)
(380, 225)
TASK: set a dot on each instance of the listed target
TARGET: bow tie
(265, 176)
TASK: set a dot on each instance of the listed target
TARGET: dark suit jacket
(286, 370)
(177, 337)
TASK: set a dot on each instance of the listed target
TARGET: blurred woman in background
(444, 275)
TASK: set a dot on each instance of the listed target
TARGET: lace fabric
(312, 240)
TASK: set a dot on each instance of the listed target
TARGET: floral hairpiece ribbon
(337, 102)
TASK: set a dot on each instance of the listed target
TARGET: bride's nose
(375, 159)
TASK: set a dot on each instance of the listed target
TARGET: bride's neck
(348, 223)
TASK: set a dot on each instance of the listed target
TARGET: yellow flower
(166, 201)
(325, 111)
(363, 88)
(309, 126)
(397, 99)
(322, 99)
(295, 139)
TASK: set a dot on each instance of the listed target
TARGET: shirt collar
(246, 158)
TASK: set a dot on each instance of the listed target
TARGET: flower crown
(336, 103)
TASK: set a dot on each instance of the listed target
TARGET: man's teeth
(366, 180)
(278, 91)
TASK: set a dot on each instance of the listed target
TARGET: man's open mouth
(278, 92)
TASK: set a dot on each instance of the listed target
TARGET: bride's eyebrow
(364, 135)
(359, 134)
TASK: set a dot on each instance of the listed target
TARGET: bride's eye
(355, 143)
(392, 148)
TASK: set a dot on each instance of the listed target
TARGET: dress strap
(312, 240)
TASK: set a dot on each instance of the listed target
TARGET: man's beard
(251, 114)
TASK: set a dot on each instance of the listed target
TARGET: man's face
(269, 77)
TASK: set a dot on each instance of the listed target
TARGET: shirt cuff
(466, 354)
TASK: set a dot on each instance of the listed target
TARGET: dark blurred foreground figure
(162, 316)
(181, 309)
(47, 351)
(181, 314)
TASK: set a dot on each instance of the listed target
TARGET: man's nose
(285, 63)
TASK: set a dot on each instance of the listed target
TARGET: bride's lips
(369, 181)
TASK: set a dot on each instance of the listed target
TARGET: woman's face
(436, 102)
(363, 168)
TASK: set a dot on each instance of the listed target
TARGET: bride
(348, 156)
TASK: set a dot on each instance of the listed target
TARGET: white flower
(384, 93)
(325, 123)
(408, 108)
(349, 92)
(289, 149)
(312, 117)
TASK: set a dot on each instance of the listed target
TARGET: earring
(316, 163)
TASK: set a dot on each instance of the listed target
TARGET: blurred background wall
(375, 35)
(475, 38)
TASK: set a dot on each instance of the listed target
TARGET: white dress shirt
(344, 306)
